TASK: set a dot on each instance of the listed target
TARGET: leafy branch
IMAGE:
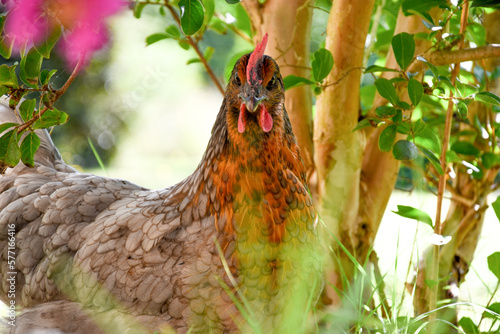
(53, 98)
(196, 48)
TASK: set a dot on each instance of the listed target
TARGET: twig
(55, 97)
(433, 291)
(194, 45)
(345, 74)
(234, 29)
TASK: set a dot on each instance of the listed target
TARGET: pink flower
(30, 21)
(26, 23)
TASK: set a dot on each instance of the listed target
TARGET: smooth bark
(338, 150)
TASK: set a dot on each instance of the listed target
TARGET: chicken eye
(238, 80)
(271, 83)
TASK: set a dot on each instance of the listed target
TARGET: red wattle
(241, 119)
(266, 121)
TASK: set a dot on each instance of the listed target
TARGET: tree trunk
(338, 150)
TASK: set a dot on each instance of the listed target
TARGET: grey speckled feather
(169, 257)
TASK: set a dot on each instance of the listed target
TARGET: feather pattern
(170, 257)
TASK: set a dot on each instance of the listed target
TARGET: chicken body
(231, 247)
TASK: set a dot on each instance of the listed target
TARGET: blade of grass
(97, 156)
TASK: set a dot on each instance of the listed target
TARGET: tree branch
(196, 48)
(445, 57)
(433, 291)
(55, 97)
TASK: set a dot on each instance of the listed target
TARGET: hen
(233, 247)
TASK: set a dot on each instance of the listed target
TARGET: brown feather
(171, 256)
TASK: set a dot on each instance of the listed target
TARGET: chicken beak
(252, 102)
(252, 98)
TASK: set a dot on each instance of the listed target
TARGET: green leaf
(496, 207)
(4, 90)
(403, 105)
(387, 90)
(495, 307)
(29, 68)
(476, 33)
(9, 149)
(403, 46)
(427, 18)
(485, 3)
(192, 16)
(464, 147)
(243, 20)
(46, 47)
(386, 111)
(8, 76)
(414, 213)
(151, 39)
(5, 126)
(139, 6)
(29, 146)
(468, 325)
(46, 75)
(432, 158)
(451, 156)
(162, 11)
(291, 81)
(5, 48)
(387, 137)
(376, 68)
(173, 31)
(193, 61)
(465, 90)
(364, 123)
(404, 128)
(422, 6)
(462, 109)
(322, 64)
(447, 82)
(232, 2)
(485, 97)
(430, 283)
(418, 126)
(183, 43)
(398, 118)
(404, 150)
(51, 118)
(494, 264)
(397, 80)
(26, 109)
(415, 91)
(209, 51)
(218, 25)
(209, 6)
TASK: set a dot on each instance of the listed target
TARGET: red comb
(255, 59)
